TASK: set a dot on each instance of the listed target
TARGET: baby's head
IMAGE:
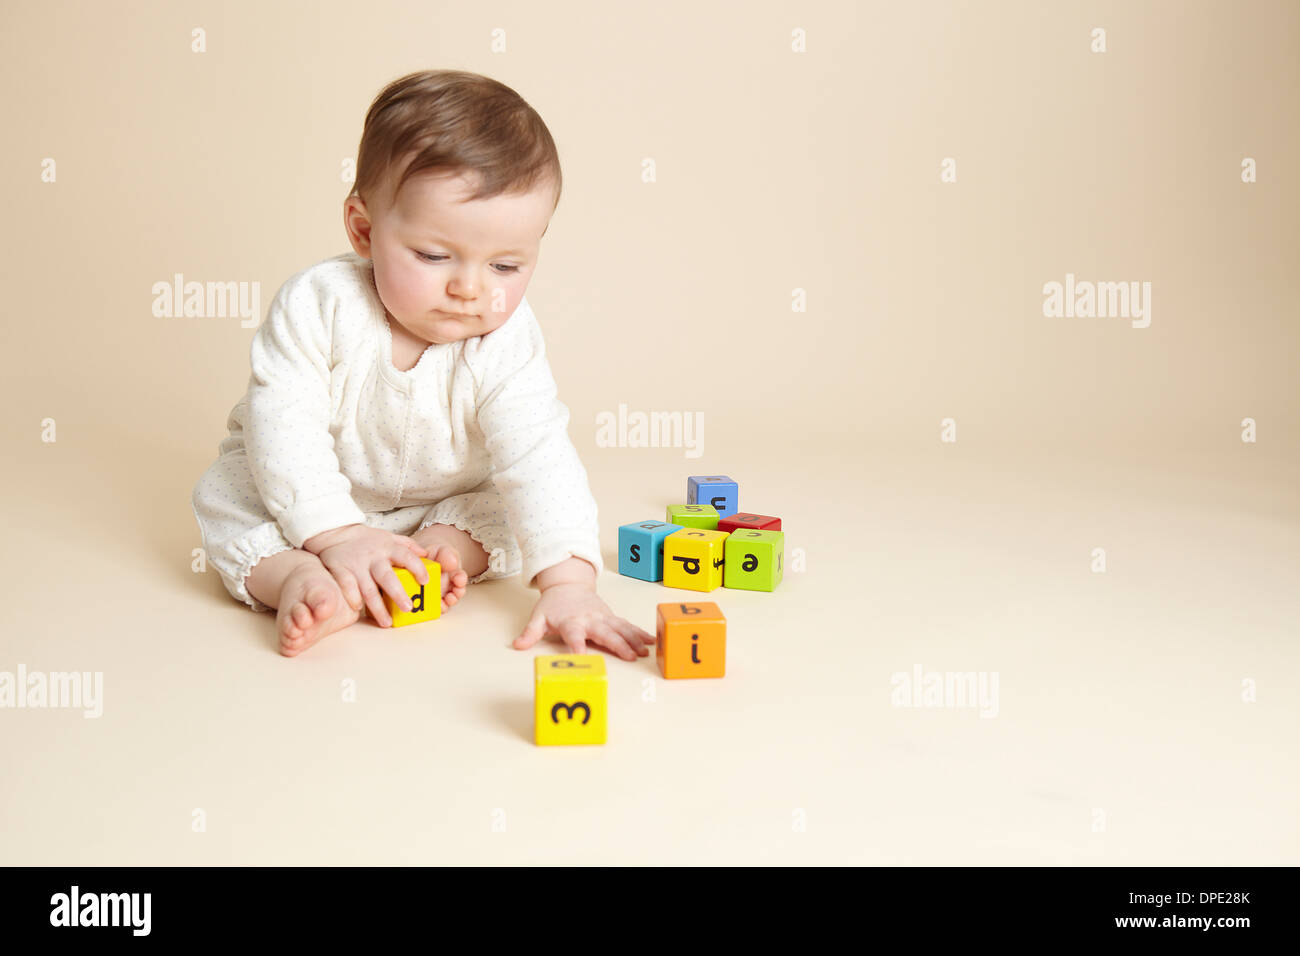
(457, 178)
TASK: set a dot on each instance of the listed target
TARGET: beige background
(1121, 735)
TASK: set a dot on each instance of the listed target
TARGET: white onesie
(331, 433)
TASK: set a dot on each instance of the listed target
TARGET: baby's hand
(361, 560)
(578, 615)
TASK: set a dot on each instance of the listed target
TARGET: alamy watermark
(74, 689)
(624, 429)
(208, 300)
(1087, 300)
(76, 908)
(953, 689)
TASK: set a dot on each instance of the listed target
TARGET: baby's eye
(502, 268)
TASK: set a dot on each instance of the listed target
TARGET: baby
(400, 404)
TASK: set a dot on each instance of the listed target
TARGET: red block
(743, 519)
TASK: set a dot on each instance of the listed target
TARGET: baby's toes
(322, 601)
(454, 589)
(300, 617)
(295, 622)
(448, 559)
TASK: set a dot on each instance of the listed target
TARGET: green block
(694, 516)
(754, 560)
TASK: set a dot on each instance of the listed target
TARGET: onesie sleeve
(287, 435)
(535, 467)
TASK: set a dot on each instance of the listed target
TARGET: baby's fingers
(574, 635)
(405, 559)
(383, 575)
(604, 635)
(533, 632)
(413, 545)
(375, 602)
(347, 583)
(636, 638)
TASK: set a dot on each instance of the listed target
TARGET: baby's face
(448, 270)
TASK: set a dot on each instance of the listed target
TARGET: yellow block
(569, 699)
(426, 599)
(693, 559)
(690, 640)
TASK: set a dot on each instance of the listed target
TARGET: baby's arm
(549, 504)
(287, 428)
(291, 456)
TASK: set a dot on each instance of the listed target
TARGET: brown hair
(455, 121)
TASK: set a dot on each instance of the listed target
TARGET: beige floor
(1120, 734)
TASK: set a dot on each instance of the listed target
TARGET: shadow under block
(693, 516)
(690, 640)
(426, 599)
(754, 560)
(693, 559)
(716, 490)
(743, 519)
(570, 699)
(641, 549)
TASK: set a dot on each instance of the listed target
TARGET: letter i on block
(693, 559)
(569, 699)
(717, 490)
(754, 560)
(426, 605)
(690, 640)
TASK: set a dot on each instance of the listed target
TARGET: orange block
(690, 640)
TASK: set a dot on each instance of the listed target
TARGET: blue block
(717, 490)
(641, 549)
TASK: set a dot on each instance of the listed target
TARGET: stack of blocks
(706, 543)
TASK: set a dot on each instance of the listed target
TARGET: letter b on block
(690, 640)
(426, 599)
(569, 699)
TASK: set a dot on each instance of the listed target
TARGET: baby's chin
(444, 332)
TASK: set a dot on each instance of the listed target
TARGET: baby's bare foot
(311, 606)
(454, 578)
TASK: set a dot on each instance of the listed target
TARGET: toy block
(754, 559)
(425, 606)
(641, 549)
(690, 640)
(693, 516)
(693, 559)
(570, 699)
(743, 519)
(717, 490)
